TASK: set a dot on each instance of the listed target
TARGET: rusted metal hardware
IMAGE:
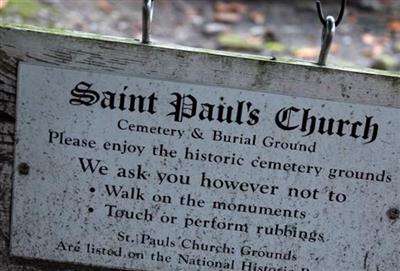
(329, 27)
(393, 213)
(23, 169)
(147, 16)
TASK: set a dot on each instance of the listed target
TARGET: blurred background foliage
(368, 37)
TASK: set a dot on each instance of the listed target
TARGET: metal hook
(330, 24)
(338, 19)
(327, 37)
(148, 7)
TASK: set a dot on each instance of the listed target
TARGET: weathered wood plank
(124, 56)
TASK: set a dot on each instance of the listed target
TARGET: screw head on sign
(393, 213)
(23, 169)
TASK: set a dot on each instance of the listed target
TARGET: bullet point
(92, 189)
(90, 210)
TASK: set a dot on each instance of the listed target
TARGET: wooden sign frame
(90, 52)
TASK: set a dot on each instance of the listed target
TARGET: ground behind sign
(187, 167)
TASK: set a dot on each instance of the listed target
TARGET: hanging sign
(132, 172)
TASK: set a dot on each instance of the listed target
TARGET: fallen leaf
(240, 43)
(374, 51)
(372, 40)
(255, 41)
(3, 4)
(190, 11)
(257, 17)
(394, 26)
(313, 52)
(227, 17)
(104, 5)
(368, 39)
(307, 52)
(274, 46)
(334, 48)
(234, 7)
(353, 19)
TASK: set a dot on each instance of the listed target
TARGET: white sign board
(137, 173)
